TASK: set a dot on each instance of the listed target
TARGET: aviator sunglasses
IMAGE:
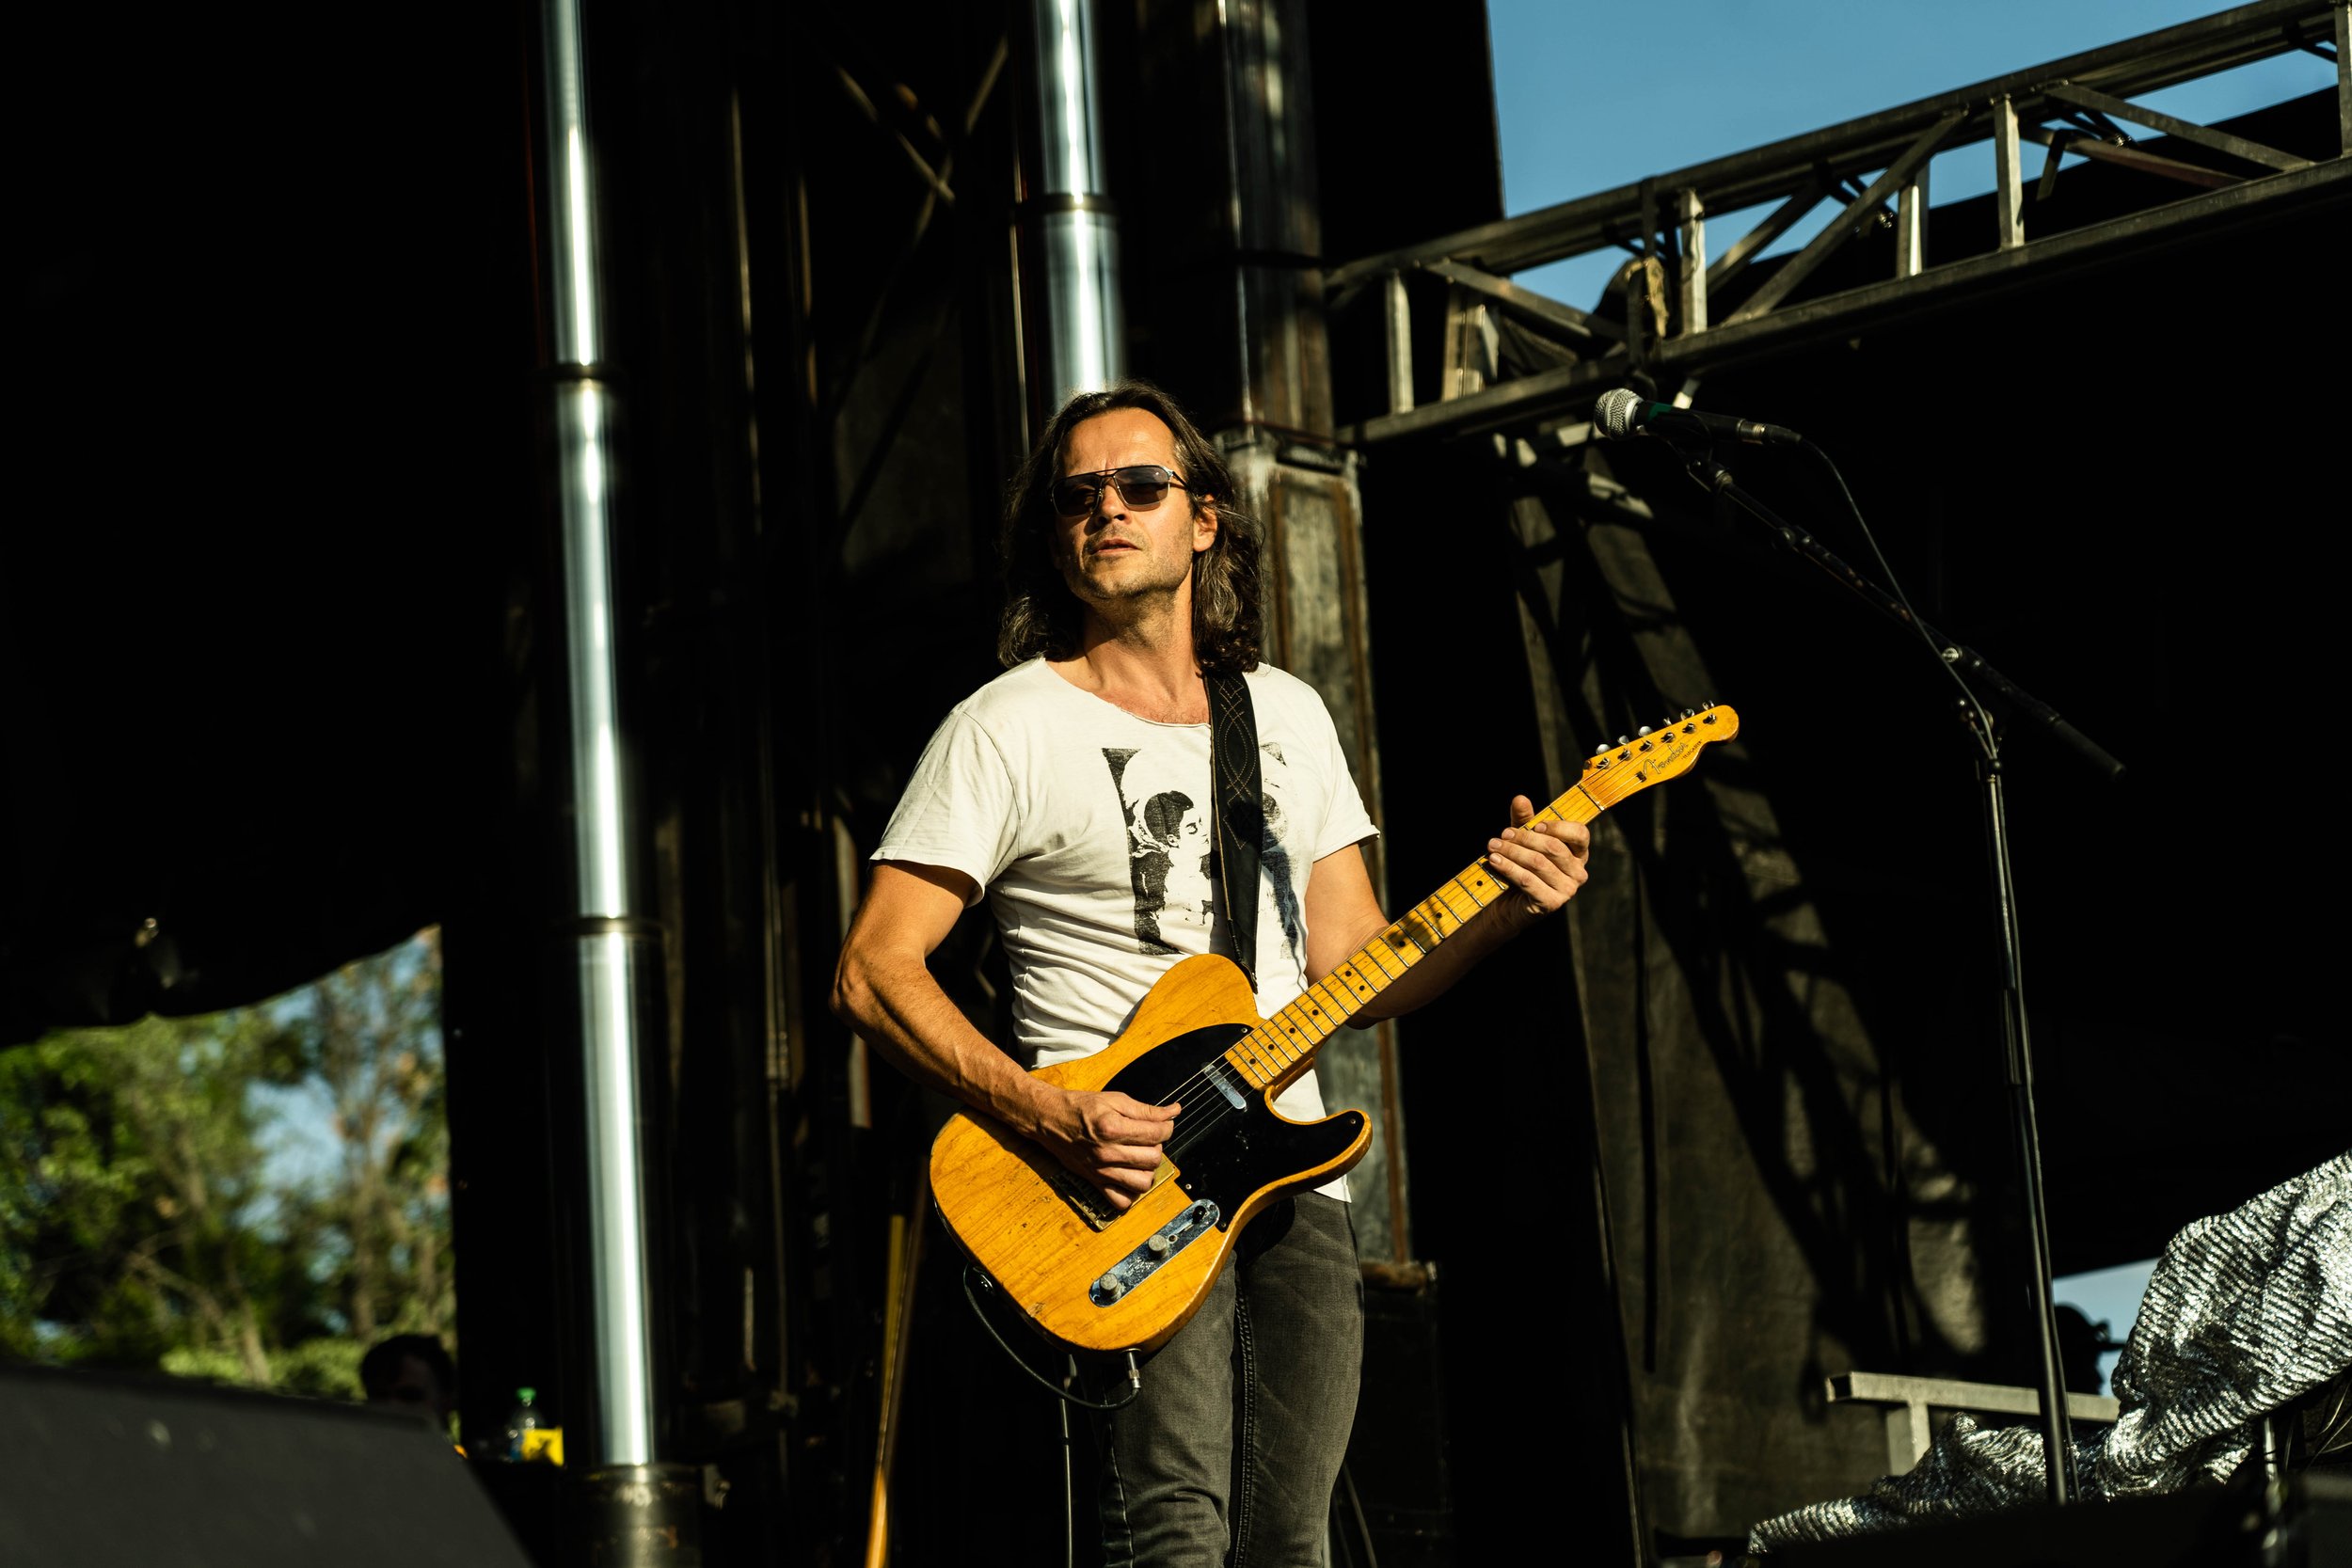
(1142, 488)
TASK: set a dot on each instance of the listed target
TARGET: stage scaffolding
(1758, 940)
(1875, 172)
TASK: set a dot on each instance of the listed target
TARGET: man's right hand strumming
(1112, 1139)
(883, 989)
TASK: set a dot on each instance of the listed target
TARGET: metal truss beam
(2154, 119)
(1525, 399)
(1865, 165)
(1865, 210)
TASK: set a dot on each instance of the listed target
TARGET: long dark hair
(1043, 616)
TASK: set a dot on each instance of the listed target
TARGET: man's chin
(1120, 587)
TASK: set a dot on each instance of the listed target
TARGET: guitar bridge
(1083, 1197)
(1086, 1199)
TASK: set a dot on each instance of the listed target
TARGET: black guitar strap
(1240, 816)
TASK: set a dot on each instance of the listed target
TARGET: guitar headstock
(1655, 754)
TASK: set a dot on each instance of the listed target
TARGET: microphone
(1622, 413)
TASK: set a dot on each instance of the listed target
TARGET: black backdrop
(258, 638)
(2115, 485)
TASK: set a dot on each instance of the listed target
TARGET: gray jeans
(1228, 1455)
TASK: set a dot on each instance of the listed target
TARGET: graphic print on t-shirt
(1172, 845)
(1168, 849)
(1275, 856)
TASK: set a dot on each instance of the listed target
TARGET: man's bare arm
(1543, 863)
(883, 989)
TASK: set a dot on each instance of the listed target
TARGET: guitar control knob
(1156, 1246)
(1112, 1286)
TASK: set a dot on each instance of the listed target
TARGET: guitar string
(1191, 1131)
(1360, 961)
(1221, 1109)
(1364, 964)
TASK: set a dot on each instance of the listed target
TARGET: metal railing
(1907, 1401)
(2073, 106)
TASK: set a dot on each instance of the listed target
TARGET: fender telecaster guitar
(1095, 1278)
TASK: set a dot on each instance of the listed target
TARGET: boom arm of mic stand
(1982, 678)
(2026, 706)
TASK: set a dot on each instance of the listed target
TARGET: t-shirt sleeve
(1344, 820)
(960, 810)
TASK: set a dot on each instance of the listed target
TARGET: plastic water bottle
(521, 1421)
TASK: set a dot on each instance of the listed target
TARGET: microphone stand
(1965, 664)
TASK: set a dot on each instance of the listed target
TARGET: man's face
(1114, 555)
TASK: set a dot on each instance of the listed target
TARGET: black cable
(1069, 1483)
(1363, 1526)
(2334, 1427)
(1134, 1377)
(1894, 586)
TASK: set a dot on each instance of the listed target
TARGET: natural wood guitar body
(1108, 1281)
(1010, 1204)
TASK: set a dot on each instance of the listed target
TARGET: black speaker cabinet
(1394, 1504)
(97, 1471)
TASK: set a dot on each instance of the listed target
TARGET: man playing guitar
(1073, 791)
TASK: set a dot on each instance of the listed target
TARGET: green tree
(146, 1222)
(369, 1036)
(137, 1191)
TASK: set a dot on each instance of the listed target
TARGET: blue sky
(301, 1145)
(2110, 1296)
(1592, 94)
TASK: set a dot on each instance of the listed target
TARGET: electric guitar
(1096, 1278)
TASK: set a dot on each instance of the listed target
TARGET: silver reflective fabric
(2247, 1310)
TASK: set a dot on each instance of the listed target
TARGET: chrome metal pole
(1072, 223)
(620, 1283)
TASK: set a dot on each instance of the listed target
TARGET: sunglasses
(1142, 488)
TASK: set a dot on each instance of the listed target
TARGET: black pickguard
(1221, 1152)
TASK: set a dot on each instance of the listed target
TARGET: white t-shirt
(1088, 830)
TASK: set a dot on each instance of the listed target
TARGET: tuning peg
(1625, 741)
(1644, 730)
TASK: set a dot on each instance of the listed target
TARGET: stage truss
(1875, 169)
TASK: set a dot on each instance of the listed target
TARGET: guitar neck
(1283, 1046)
